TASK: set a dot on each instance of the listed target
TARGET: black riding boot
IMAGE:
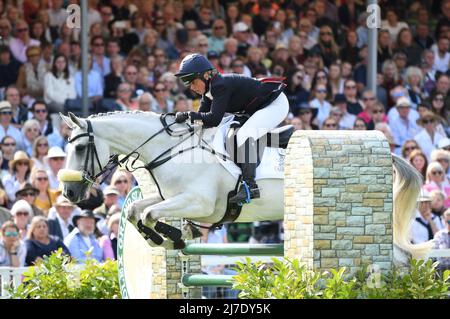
(248, 189)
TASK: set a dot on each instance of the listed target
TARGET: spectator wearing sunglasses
(442, 157)
(8, 148)
(19, 172)
(22, 213)
(320, 103)
(39, 112)
(436, 180)
(21, 41)
(29, 193)
(55, 160)
(6, 127)
(40, 243)
(121, 181)
(46, 196)
(408, 147)
(30, 130)
(429, 137)
(12, 249)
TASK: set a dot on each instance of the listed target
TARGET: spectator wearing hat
(217, 39)
(60, 225)
(429, 137)
(55, 161)
(111, 196)
(396, 93)
(29, 193)
(346, 120)
(19, 172)
(82, 239)
(12, 249)
(306, 114)
(426, 224)
(40, 242)
(22, 213)
(6, 127)
(442, 241)
(241, 34)
(403, 128)
(444, 144)
(30, 81)
(109, 242)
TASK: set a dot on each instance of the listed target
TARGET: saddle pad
(272, 162)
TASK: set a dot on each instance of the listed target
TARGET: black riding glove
(181, 117)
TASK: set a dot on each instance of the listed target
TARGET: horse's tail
(407, 185)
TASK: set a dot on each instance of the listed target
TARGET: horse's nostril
(70, 193)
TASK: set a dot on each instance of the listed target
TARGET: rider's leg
(256, 126)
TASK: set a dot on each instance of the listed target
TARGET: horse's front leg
(186, 205)
(147, 231)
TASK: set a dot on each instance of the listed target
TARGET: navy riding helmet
(192, 67)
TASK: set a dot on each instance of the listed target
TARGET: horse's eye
(80, 148)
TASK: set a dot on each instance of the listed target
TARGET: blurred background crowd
(135, 47)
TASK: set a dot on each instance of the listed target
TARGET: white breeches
(264, 120)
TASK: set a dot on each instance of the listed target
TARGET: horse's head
(87, 154)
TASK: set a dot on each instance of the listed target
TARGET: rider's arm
(218, 107)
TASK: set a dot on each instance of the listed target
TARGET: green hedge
(290, 280)
(59, 277)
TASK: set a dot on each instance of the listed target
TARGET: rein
(92, 154)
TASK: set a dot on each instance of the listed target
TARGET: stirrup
(245, 194)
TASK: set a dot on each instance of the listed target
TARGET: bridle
(91, 159)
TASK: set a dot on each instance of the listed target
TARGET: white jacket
(425, 142)
(58, 90)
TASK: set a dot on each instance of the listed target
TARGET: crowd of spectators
(135, 47)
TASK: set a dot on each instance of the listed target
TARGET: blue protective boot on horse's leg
(249, 189)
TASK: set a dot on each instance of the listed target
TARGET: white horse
(190, 190)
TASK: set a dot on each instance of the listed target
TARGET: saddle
(278, 138)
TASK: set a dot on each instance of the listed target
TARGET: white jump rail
(10, 277)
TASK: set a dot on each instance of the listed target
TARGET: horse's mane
(116, 113)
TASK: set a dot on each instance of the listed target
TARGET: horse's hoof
(180, 244)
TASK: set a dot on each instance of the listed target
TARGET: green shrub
(289, 279)
(59, 277)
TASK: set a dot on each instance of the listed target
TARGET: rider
(263, 100)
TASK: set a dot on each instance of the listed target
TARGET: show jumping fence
(338, 212)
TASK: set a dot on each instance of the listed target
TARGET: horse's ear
(67, 120)
(76, 120)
